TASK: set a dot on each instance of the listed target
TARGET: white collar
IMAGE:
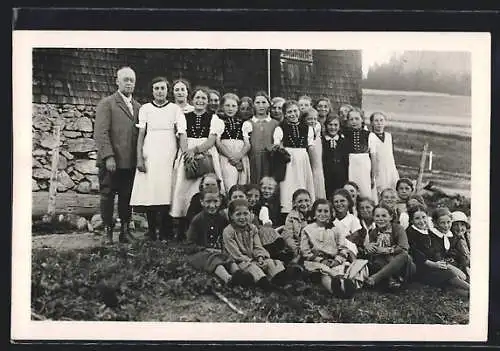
(443, 236)
(188, 108)
(126, 99)
(421, 231)
(336, 137)
(257, 120)
(347, 218)
(368, 228)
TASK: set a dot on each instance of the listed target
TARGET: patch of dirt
(67, 242)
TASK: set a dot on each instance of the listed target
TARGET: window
(297, 54)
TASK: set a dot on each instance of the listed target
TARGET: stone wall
(77, 158)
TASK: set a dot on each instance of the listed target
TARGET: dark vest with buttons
(198, 126)
(232, 128)
(295, 136)
(356, 140)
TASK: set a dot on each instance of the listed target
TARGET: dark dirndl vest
(198, 126)
(295, 136)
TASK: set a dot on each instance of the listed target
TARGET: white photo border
(23, 328)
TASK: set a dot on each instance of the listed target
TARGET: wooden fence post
(51, 208)
(418, 186)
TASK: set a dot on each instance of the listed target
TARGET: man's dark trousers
(119, 183)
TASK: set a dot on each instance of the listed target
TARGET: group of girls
(342, 245)
(335, 164)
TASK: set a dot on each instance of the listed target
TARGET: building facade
(68, 84)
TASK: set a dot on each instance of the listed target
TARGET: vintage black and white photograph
(294, 183)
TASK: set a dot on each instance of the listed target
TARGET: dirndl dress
(298, 171)
(183, 188)
(316, 159)
(359, 172)
(230, 174)
(386, 174)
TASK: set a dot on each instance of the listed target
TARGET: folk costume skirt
(316, 159)
(359, 172)
(183, 188)
(298, 175)
(231, 175)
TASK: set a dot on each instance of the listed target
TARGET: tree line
(393, 76)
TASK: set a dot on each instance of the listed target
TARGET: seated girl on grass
(205, 233)
(365, 215)
(242, 243)
(326, 253)
(451, 245)
(353, 190)
(270, 200)
(208, 181)
(389, 197)
(429, 252)
(460, 227)
(296, 220)
(236, 192)
(270, 238)
(344, 220)
(387, 251)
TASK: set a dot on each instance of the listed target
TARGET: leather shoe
(125, 235)
(109, 235)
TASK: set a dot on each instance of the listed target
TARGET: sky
(372, 56)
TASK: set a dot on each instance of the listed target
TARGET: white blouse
(317, 130)
(168, 116)
(216, 125)
(278, 136)
(188, 108)
(347, 225)
(247, 126)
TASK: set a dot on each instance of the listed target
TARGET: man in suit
(116, 139)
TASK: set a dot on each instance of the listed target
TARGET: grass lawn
(451, 153)
(432, 107)
(151, 282)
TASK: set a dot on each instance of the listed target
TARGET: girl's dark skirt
(434, 276)
(208, 261)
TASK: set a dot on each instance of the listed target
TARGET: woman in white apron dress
(160, 124)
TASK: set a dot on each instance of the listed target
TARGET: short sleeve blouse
(278, 136)
(246, 129)
(170, 108)
(317, 130)
(348, 225)
(216, 125)
(372, 145)
(143, 117)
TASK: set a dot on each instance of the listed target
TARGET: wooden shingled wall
(84, 76)
(335, 74)
(73, 76)
(68, 83)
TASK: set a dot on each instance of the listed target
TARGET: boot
(151, 233)
(165, 227)
(125, 235)
(175, 228)
(182, 229)
(109, 235)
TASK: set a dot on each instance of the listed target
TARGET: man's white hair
(122, 70)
